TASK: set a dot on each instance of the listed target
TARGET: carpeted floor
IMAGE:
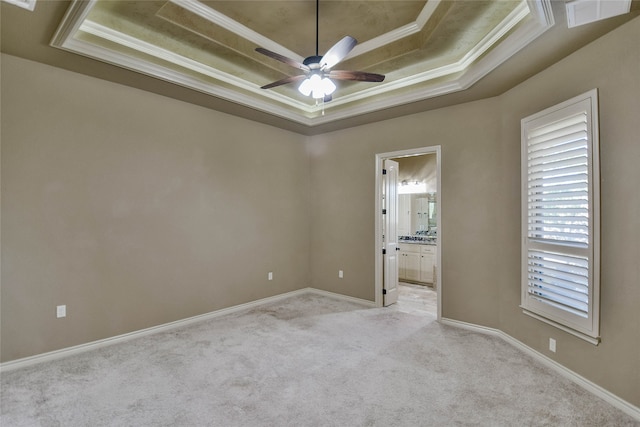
(308, 360)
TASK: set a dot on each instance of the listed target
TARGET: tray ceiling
(425, 48)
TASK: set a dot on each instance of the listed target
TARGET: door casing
(390, 234)
(379, 262)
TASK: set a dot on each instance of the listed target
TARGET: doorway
(427, 229)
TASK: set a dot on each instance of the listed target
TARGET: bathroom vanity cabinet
(417, 262)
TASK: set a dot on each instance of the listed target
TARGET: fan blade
(284, 81)
(281, 58)
(338, 52)
(360, 76)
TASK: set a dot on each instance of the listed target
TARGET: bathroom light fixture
(415, 187)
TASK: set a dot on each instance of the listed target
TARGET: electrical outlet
(552, 345)
(270, 276)
(340, 274)
(61, 311)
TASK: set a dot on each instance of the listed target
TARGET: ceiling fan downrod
(317, 78)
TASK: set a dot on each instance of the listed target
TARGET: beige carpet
(306, 361)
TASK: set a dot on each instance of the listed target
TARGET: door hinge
(384, 252)
(384, 211)
(384, 171)
(384, 292)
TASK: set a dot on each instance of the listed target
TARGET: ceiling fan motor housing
(312, 60)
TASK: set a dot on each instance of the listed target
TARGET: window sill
(589, 339)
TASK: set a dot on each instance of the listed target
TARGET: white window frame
(585, 325)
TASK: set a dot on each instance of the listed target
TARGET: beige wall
(136, 210)
(419, 168)
(342, 209)
(480, 235)
(611, 64)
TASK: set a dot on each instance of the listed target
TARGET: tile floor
(417, 298)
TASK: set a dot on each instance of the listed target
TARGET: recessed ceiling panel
(424, 48)
(279, 20)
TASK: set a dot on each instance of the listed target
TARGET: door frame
(390, 224)
(380, 157)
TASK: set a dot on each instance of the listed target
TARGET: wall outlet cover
(61, 311)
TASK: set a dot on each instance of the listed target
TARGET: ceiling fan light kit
(317, 80)
(316, 86)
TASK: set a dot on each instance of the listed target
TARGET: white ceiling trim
(247, 33)
(73, 18)
(126, 40)
(466, 62)
(399, 33)
(529, 31)
(25, 4)
(76, 20)
(542, 11)
(271, 101)
(229, 24)
(514, 18)
(170, 75)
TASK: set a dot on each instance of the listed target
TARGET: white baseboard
(594, 388)
(609, 397)
(364, 302)
(65, 352)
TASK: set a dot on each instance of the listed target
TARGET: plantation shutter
(560, 183)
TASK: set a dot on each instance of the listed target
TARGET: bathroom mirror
(432, 211)
(417, 214)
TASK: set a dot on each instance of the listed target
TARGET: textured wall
(136, 210)
(611, 64)
(342, 209)
(419, 168)
(480, 235)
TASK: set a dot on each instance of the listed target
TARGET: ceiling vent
(580, 12)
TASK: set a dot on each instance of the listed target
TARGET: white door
(390, 232)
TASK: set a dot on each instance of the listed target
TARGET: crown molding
(235, 27)
(398, 33)
(25, 4)
(488, 54)
(73, 18)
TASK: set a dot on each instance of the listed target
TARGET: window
(560, 216)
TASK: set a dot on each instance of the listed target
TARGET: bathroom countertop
(420, 242)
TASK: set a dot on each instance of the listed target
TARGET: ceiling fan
(317, 78)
